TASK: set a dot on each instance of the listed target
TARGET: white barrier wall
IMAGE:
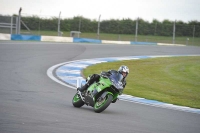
(5, 36)
(115, 42)
(56, 39)
(170, 44)
(75, 40)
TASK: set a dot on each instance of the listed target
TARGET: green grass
(125, 37)
(173, 80)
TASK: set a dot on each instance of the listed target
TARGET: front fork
(83, 99)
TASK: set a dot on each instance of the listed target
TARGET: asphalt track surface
(30, 102)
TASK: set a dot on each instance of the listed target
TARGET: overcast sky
(184, 10)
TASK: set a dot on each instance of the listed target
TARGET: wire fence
(120, 30)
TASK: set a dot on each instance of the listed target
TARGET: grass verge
(173, 80)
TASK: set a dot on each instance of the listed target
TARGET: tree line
(114, 26)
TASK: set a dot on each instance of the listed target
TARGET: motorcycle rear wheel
(101, 105)
(77, 101)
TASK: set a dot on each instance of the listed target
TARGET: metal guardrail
(8, 24)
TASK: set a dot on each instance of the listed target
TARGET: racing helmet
(123, 69)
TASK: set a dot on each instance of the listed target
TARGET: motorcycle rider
(124, 70)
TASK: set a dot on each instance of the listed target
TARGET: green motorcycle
(100, 94)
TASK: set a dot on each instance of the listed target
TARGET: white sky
(184, 10)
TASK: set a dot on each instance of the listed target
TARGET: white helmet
(122, 69)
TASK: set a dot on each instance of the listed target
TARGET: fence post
(136, 29)
(174, 30)
(11, 25)
(79, 26)
(16, 25)
(193, 35)
(98, 27)
(19, 21)
(59, 25)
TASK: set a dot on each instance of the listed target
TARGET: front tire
(77, 101)
(101, 105)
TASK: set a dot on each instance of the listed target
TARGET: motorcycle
(100, 94)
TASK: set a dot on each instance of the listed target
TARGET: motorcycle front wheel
(77, 101)
(101, 104)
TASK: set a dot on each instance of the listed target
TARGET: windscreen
(116, 79)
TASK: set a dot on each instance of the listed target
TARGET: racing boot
(81, 89)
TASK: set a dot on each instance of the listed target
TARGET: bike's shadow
(86, 109)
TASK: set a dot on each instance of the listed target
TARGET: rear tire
(77, 101)
(100, 106)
